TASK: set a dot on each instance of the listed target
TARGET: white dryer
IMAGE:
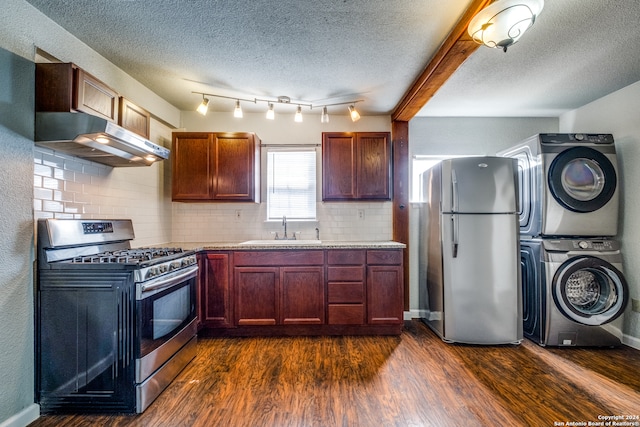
(574, 292)
(568, 185)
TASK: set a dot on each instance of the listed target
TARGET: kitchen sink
(273, 242)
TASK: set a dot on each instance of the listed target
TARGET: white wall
(217, 222)
(618, 114)
(459, 136)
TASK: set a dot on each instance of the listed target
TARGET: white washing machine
(574, 292)
(568, 185)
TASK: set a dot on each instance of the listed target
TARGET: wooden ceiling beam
(452, 53)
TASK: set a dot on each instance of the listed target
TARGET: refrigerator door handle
(454, 236)
(454, 191)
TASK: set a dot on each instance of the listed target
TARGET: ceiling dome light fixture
(503, 22)
(237, 112)
(204, 106)
(355, 116)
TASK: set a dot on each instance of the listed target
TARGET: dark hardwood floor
(410, 380)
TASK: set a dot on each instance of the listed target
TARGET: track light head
(204, 106)
(324, 118)
(270, 113)
(298, 116)
(355, 116)
(237, 112)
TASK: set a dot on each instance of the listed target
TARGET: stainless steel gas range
(115, 324)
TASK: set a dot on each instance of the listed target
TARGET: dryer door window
(582, 179)
(589, 290)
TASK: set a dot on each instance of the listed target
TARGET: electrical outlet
(635, 305)
(238, 214)
(360, 213)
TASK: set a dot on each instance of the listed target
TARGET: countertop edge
(239, 246)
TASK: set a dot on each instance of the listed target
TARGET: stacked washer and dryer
(573, 288)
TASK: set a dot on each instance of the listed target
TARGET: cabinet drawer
(345, 274)
(279, 258)
(345, 257)
(352, 292)
(346, 314)
(382, 257)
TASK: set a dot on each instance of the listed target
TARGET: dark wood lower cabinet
(302, 292)
(257, 295)
(302, 301)
(215, 290)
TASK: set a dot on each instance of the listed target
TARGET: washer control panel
(594, 245)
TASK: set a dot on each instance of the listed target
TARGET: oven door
(166, 319)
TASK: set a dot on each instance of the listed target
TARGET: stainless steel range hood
(96, 139)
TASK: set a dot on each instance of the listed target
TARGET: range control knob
(151, 272)
(583, 244)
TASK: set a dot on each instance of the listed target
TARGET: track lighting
(324, 118)
(270, 115)
(237, 112)
(355, 116)
(204, 106)
(298, 116)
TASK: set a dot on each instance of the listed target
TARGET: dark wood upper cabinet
(62, 87)
(215, 167)
(356, 166)
(134, 118)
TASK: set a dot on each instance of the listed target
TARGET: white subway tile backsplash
(42, 193)
(210, 222)
(51, 183)
(42, 170)
(52, 206)
(72, 165)
(50, 159)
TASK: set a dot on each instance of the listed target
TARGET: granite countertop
(287, 244)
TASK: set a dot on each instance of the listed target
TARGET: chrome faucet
(285, 237)
(284, 224)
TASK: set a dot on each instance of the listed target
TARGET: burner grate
(128, 256)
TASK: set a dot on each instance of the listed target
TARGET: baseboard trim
(631, 341)
(416, 313)
(24, 417)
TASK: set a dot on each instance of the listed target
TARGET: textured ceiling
(327, 51)
(577, 52)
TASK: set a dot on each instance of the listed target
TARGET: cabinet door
(302, 295)
(385, 301)
(235, 163)
(339, 166)
(216, 292)
(134, 118)
(94, 97)
(191, 161)
(373, 165)
(356, 166)
(257, 296)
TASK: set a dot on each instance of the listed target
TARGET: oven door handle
(166, 282)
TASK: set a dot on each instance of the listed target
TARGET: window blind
(291, 184)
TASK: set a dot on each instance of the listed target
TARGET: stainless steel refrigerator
(471, 254)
